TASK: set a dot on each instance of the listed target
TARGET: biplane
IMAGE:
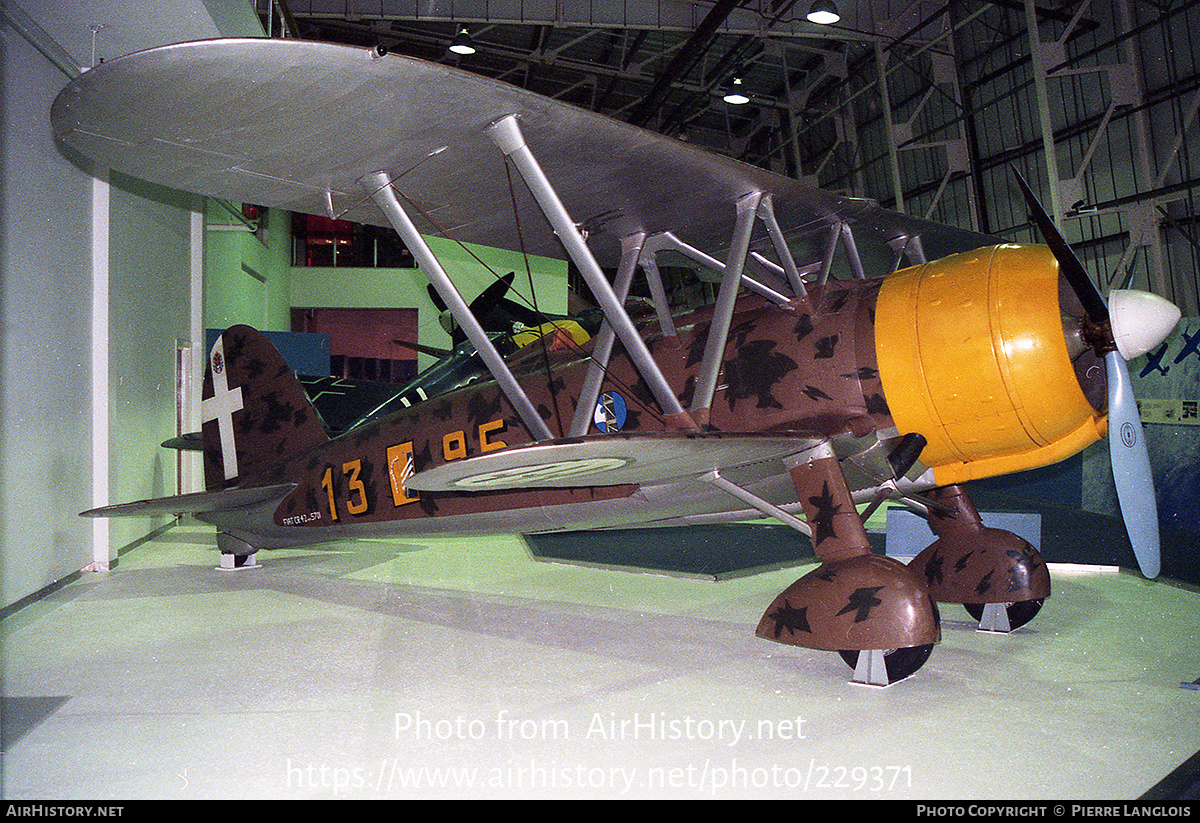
(852, 355)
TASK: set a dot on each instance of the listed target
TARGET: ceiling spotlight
(824, 12)
(735, 92)
(462, 43)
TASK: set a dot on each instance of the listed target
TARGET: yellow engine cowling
(972, 355)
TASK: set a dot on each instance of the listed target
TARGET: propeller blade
(495, 292)
(433, 350)
(1081, 282)
(1142, 321)
(1131, 467)
(436, 298)
(482, 307)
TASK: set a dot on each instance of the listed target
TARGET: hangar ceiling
(923, 106)
(926, 107)
(660, 64)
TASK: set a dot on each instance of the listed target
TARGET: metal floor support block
(995, 618)
(236, 554)
(871, 669)
(239, 562)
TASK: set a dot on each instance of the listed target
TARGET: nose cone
(1140, 320)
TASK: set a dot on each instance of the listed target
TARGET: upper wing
(295, 125)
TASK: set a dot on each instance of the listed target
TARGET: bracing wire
(631, 394)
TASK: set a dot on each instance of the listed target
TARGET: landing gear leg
(875, 606)
(999, 577)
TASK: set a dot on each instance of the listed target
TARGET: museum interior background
(107, 287)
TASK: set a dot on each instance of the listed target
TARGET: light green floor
(462, 668)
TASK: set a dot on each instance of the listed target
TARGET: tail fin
(254, 410)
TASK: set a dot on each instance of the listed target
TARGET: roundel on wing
(610, 412)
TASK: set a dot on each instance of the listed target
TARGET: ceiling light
(824, 12)
(735, 92)
(462, 43)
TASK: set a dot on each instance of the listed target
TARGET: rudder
(255, 413)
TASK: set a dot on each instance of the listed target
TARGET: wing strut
(506, 133)
(907, 247)
(856, 265)
(714, 478)
(766, 212)
(668, 241)
(840, 233)
(835, 233)
(750, 207)
(602, 351)
(718, 331)
(649, 263)
(379, 186)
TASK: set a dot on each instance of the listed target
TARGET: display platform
(457, 668)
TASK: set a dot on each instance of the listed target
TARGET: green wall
(246, 275)
(407, 288)
(95, 300)
(149, 317)
(45, 334)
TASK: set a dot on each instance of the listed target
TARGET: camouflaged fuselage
(805, 369)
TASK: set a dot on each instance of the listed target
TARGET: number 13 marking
(355, 488)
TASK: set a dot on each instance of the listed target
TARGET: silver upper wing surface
(295, 125)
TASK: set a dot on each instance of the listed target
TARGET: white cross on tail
(221, 406)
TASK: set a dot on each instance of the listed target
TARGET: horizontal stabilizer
(196, 502)
(190, 442)
(607, 460)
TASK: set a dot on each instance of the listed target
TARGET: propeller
(494, 310)
(1127, 326)
(423, 349)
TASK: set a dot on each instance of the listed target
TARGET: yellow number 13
(354, 486)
